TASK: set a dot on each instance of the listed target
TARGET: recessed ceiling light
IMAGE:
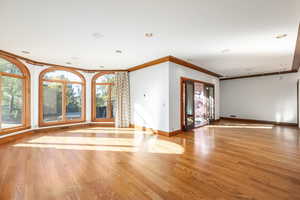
(101, 66)
(280, 36)
(25, 52)
(225, 50)
(118, 51)
(97, 35)
(74, 58)
(68, 63)
(148, 35)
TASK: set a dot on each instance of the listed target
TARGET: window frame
(64, 120)
(93, 91)
(26, 94)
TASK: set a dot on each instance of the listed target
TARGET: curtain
(122, 118)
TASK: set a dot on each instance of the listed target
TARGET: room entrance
(197, 103)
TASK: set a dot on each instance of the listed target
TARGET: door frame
(182, 79)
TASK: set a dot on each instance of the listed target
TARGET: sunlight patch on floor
(112, 128)
(110, 131)
(251, 126)
(136, 144)
(79, 147)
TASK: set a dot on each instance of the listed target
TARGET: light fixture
(148, 35)
(97, 35)
(25, 52)
(280, 36)
(225, 50)
(118, 51)
(101, 66)
(74, 58)
(68, 63)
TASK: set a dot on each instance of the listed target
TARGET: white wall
(160, 107)
(270, 98)
(149, 96)
(178, 71)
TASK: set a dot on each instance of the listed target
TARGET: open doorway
(197, 103)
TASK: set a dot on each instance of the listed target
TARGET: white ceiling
(56, 31)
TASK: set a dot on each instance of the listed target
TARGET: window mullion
(109, 116)
(64, 102)
(24, 102)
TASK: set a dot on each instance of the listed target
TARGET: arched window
(103, 97)
(62, 96)
(14, 95)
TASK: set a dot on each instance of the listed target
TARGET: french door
(197, 103)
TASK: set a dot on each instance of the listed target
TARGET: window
(14, 95)
(62, 96)
(103, 97)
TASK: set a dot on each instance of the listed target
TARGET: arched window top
(62, 74)
(105, 78)
(8, 65)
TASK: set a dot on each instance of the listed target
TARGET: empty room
(140, 100)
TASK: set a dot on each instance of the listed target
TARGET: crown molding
(149, 64)
(258, 75)
(33, 62)
(174, 60)
(192, 66)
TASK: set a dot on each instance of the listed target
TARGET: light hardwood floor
(224, 161)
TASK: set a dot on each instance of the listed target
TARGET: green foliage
(74, 99)
(102, 95)
(12, 99)
(102, 91)
(8, 67)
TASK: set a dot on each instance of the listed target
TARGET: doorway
(197, 103)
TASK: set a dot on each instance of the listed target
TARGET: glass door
(200, 100)
(210, 102)
(197, 103)
(189, 105)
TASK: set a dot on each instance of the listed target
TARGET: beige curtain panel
(122, 119)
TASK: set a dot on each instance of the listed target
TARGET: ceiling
(229, 37)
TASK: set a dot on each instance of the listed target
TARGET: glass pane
(200, 114)
(107, 78)
(52, 101)
(62, 75)
(113, 100)
(8, 67)
(102, 98)
(12, 102)
(189, 99)
(189, 104)
(74, 101)
(211, 103)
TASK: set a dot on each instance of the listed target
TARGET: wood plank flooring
(225, 161)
